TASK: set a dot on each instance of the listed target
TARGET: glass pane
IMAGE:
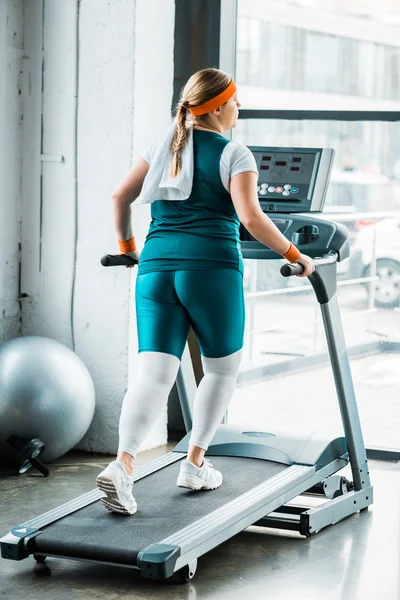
(366, 170)
(284, 330)
(305, 54)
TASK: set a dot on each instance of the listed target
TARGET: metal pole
(345, 393)
(372, 283)
(316, 328)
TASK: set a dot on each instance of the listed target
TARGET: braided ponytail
(201, 87)
(179, 139)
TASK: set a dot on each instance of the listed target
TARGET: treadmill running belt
(96, 534)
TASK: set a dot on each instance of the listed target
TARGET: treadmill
(263, 470)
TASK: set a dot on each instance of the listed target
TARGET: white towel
(158, 185)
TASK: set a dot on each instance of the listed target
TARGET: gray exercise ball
(46, 392)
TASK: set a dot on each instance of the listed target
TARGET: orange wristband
(292, 254)
(127, 245)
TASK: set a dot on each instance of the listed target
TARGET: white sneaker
(117, 485)
(198, 478)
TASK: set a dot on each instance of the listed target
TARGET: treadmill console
(292, 179)
(312, 236)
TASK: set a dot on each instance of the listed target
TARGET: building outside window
(342, 56)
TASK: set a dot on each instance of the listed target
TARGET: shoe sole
(111, 501)
(192, 484)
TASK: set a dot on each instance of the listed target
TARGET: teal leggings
(168, 303)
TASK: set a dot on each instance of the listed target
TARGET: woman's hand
(308, 264)
(135, 255)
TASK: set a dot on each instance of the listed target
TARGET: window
(326, 55)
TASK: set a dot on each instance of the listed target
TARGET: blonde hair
(201, 87)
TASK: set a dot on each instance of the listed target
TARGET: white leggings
(146, 398)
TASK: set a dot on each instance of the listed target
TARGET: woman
(201, 186)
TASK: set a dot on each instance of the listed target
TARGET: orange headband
(216, 102)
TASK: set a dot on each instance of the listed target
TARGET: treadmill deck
(95, 534)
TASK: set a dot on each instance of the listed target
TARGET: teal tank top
(201, 232)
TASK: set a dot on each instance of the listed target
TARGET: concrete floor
(357, 559)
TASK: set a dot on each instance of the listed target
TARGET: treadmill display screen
(287, 177)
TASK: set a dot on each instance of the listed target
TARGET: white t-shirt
(235, 158)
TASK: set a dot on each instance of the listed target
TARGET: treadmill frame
(263, 505)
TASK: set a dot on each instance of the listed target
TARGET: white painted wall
(153, 90)
(11, 51)
(121, 73)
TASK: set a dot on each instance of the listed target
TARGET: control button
(294, 190)
(263, 191)
(279, 190)
(287, 186)
(271, 188)
(286, 193)
(271, 207)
